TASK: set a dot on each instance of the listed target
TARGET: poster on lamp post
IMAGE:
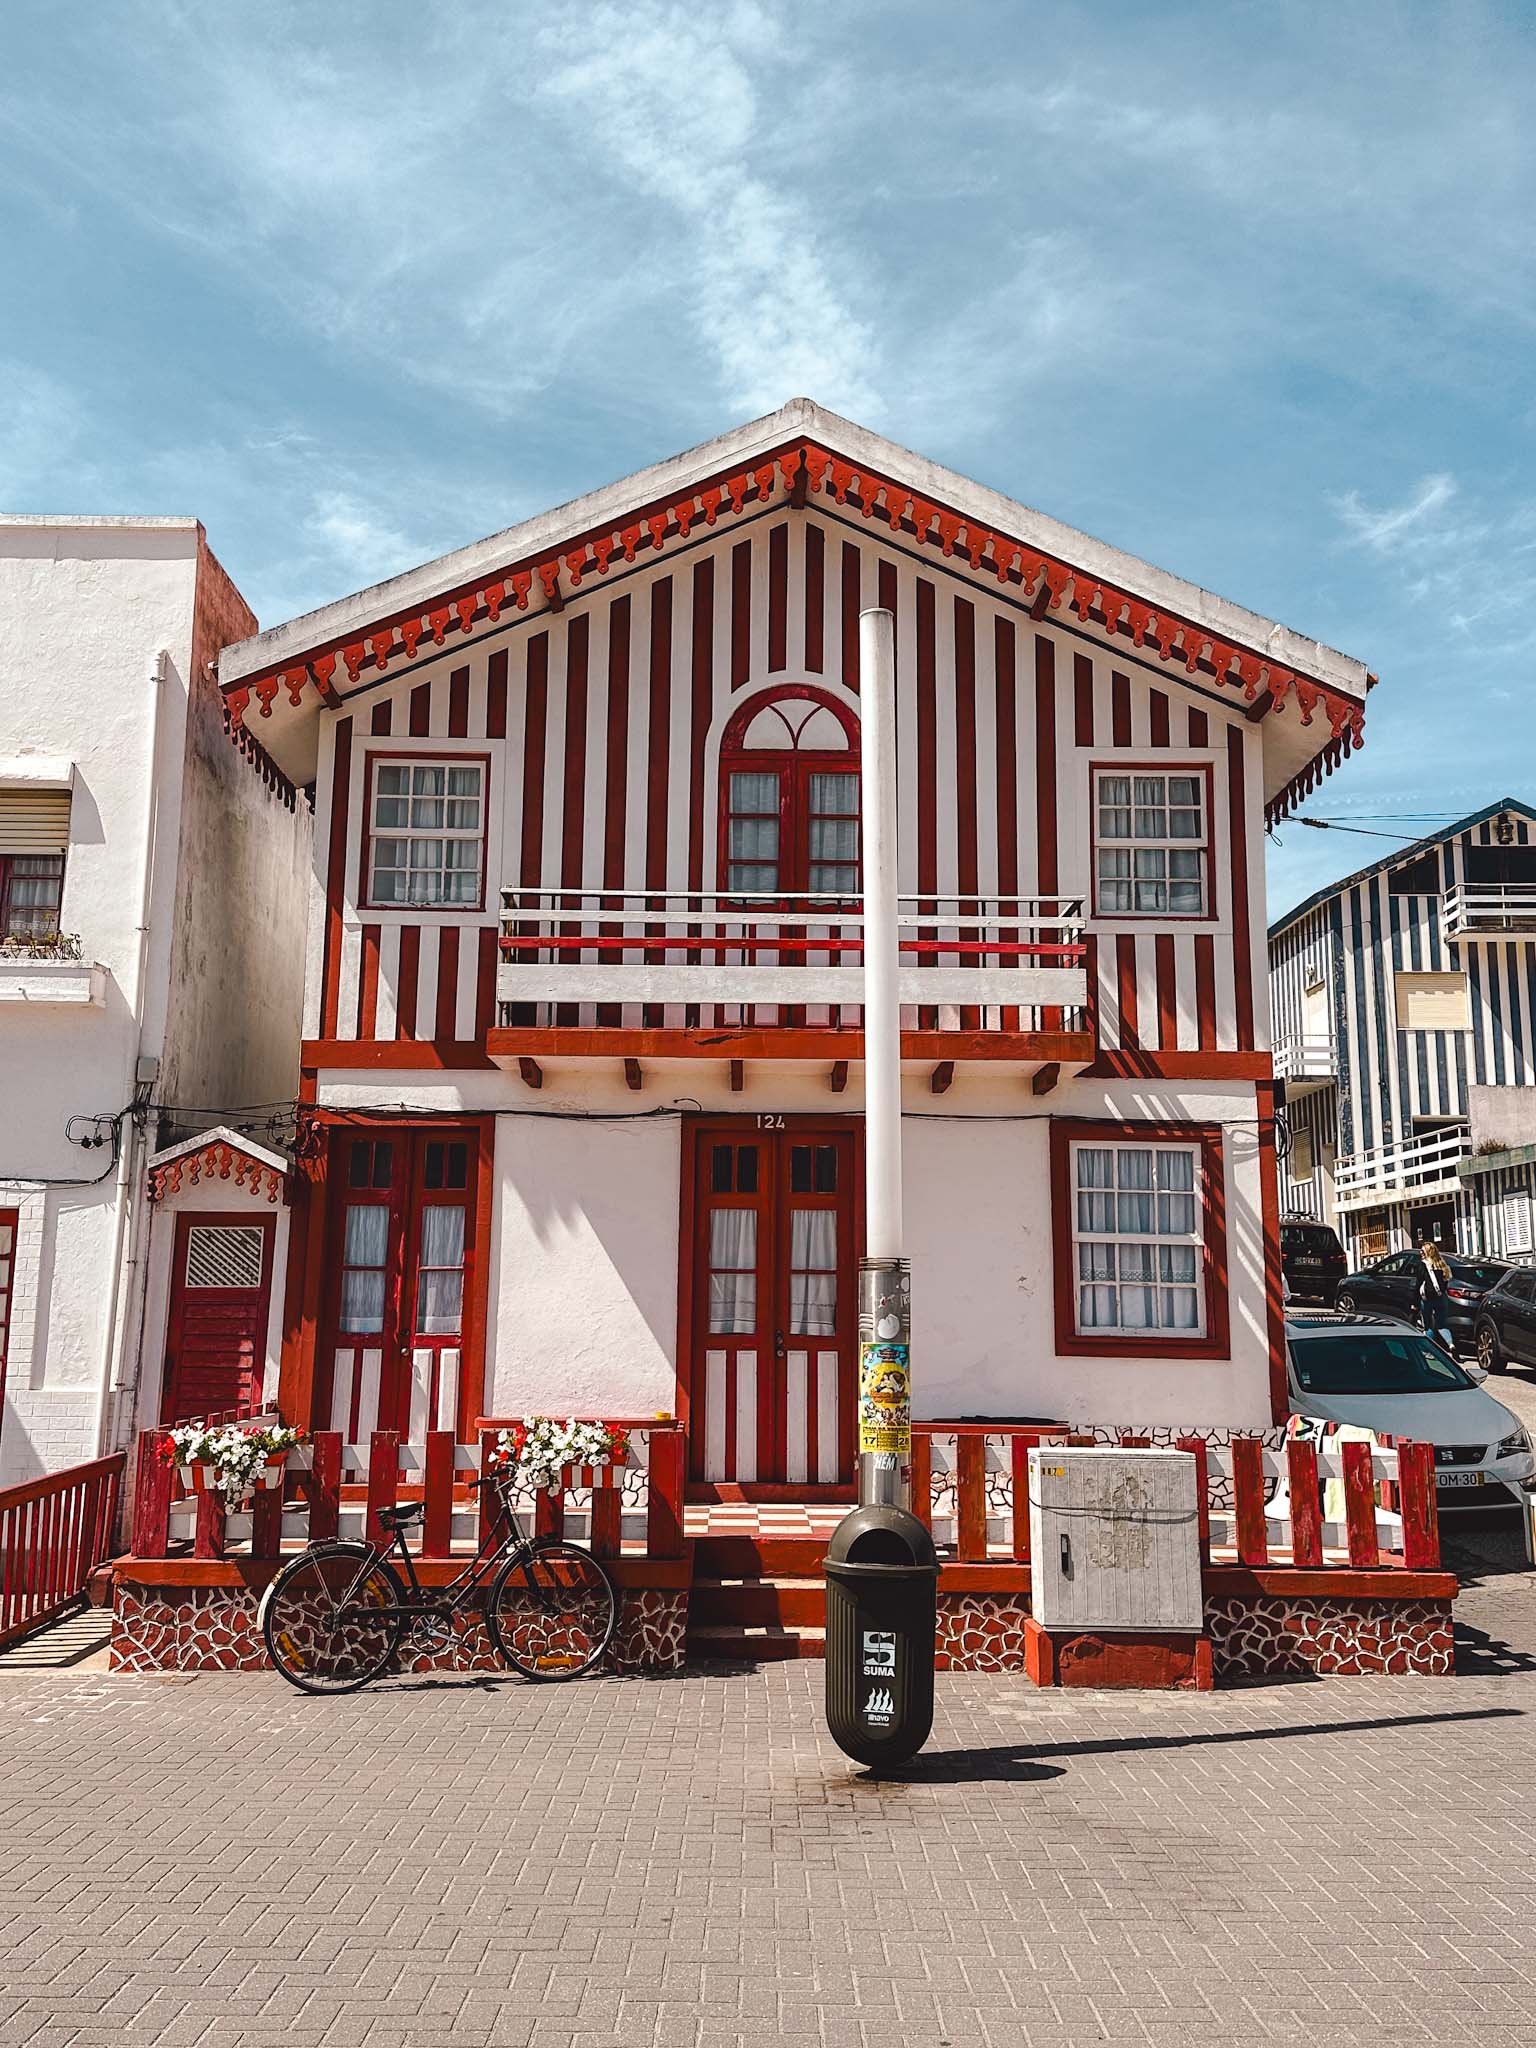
(885, 1373)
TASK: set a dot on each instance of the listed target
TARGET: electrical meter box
(1115, 1540)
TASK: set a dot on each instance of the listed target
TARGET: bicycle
(335, 1615)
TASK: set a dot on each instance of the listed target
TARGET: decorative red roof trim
(216, 1161)
(797, 467)
(1301, 785)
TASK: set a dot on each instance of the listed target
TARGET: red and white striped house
(581, 1060)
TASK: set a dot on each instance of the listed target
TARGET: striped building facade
(1403, 1010)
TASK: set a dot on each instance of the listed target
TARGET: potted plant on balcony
(544, 1449)
(228, 1459)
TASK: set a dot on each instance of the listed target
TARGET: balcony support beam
(838, 1078)
(633, 1078)
(738, 1076)
(531, 1071)
(1045, 1080)
(941, 1077)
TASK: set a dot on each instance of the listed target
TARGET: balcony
(48, 970)
(1306, 1061)
(1488, 910)
(1415, 1166)
(590, 972)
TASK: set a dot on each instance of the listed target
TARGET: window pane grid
(1137, 1240)
(1150, 845)
(426, 833)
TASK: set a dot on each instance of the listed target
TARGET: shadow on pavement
(1023, 1760)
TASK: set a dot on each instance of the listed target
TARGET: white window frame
(1158, 1332)
(441, 836)
(1166, 844)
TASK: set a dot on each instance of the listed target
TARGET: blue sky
(1249, 291)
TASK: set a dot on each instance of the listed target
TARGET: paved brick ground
(689, 1864)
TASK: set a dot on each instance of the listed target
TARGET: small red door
(221, 1288)
(774, 1314)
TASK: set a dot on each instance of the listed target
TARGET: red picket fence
(1269, 1502)
(324, 1477)
(54, 1532)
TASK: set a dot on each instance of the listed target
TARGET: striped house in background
(581, 1062)
(1403, 1008)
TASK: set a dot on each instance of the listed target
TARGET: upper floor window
(790, 798)
(426, 833)
(1151, 844)
(34, 838)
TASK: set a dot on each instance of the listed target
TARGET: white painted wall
(585, 1229)
(90, 606)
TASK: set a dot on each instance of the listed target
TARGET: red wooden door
(216, 1339)
(773, 1311)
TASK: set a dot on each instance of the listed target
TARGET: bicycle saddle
(403, 1516)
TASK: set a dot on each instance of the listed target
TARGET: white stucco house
(151, 954)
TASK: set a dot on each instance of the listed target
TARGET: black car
(1391, 1287)
(1312, 1260)
(1506, 1322)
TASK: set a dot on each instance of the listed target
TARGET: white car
(1384, 1376)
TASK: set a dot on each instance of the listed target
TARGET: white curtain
(813, 1272)
(362, 1280)
(732, 1272)
(440, 1287)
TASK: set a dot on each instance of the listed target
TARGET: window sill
(1143, 1347)
(49, 982)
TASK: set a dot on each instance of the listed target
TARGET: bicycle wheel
(552, 1611)
(331, 1619)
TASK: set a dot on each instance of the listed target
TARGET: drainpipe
(126, 1304)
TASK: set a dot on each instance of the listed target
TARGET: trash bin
(881, 1581)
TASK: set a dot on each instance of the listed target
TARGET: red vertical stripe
(336, 876)
(368, 984)
(1205, 990)
(966, 764)
(447, 1004)
(410, 964)
(1167, 994)
(815, 596)
(1157, 706)
(702, 693)
(1125, 974)
(485, 983)
(852, 597)
(885, 583)
(927, 719)
(1007, 761)
(380, 722)
(421, 711)
(458, 704)
(1120, 708)
(531, 867)
(1045, 763)
(1082, 700)
(1237, 839)
(617, 763)
(778, 598)
(659, 738)
(741, 613)
(496, 695)
(572, 816)
(1199, 728)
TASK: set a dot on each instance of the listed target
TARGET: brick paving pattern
(689, 1863)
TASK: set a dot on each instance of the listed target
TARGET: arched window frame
(794, 767)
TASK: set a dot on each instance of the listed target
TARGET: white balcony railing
(714, 960)
(1306, 1056)
(1473, 910)
(1414, 1166)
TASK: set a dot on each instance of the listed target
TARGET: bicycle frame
(493, 1552)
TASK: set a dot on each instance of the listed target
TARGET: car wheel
(1345, 1304)
(1489, 1355)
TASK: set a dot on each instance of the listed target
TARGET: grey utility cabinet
(1115, 1540)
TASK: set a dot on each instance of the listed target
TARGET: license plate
(1459, 1478)
(1309, 1262)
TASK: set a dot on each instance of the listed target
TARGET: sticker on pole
(885, 1399)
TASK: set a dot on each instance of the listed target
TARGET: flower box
(229, 1460)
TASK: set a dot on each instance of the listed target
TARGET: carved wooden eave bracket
(218, 1156)
(796, 474)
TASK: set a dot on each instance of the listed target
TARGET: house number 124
(770, 1123)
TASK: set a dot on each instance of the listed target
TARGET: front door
(774, 1311)
(216, 1332)
(401, 1237)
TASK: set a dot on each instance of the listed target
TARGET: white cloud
(1397, 527)
(353, 537)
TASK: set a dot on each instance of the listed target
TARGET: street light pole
(885, 1394)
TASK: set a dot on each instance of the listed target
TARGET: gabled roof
(276, 683)
(1500, 807)
(218, 1154)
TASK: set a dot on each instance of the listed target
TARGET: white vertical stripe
(368, 1403)
(757, 659)
(426, 979)
(827, 1397)
(795, 1396)
(747, 1368)
(346, 986)
(594, 818)
(387, 1008)
(479, 663)
(343, 1367)
(945, 755)
(447, 1390)
(1226, 1001)
(468, 983)
(714, 1415)
(421, 1395)
(906, 709)
(1184, 992)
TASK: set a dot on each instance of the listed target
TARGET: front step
(758, 1557)
(744, 1645)
(758, 1603)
